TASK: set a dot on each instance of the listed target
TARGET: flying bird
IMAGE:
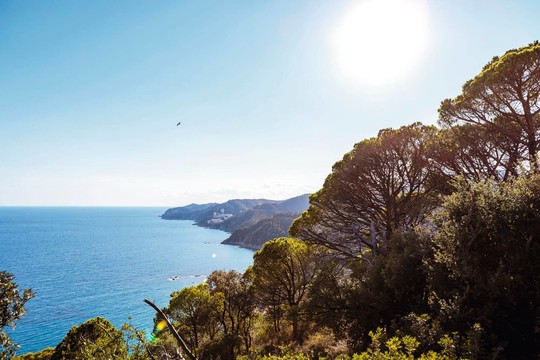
(180, 123)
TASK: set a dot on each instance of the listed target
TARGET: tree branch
(177, 336)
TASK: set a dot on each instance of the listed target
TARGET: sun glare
(379, 42)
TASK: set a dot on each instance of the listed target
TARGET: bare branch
(176, 335)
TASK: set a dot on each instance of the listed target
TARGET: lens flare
(161, 325)
(152, 337)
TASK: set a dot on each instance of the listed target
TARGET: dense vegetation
(424, 243)
(11, 309)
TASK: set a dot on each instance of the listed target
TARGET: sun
(379, 42)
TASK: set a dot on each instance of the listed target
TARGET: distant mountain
(233, 207)
(252, 216)
(253, 237)
(188, 212)
(204, 212)
(245, 214)
(246, 218)
(295, 204)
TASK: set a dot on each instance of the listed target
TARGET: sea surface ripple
(84, 262)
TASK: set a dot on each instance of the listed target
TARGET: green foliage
(97, 338)
(236, 308)
(190, 309)
(505, 99)
(282, 273)
(44, 354)
(162, 346)
(136, 342)
(384, 291)
(486, 263)
(403, 348)
(323, 344)
(475, 153)
(376, 189)
(285, 356)
(11, 309)
(328, 304)
(214, 318)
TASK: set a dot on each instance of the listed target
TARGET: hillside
(251, 222)
(188, 212)
(252, 216)
(204, 212)
(253, 237)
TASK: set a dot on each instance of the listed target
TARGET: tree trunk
(294, 321)
(532, 154)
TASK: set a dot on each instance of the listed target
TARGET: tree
(215, 317)
(234, 293)
(474, 153)
(11, 309)
(505, 99)
(404, 348)
(97, 338)
(44, 354)
(283, 271)
(387, 289)
(381, 186)
(166, 339)
(486, 264)
(328, 302)
(191, 311)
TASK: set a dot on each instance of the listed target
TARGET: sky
(270, 94)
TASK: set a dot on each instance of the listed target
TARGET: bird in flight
(180, 123)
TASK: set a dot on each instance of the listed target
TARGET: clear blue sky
(91, 92)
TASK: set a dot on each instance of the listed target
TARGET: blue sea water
(84, 262)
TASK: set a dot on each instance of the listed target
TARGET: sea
(84, 262)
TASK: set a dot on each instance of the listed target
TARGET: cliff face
(251, 222)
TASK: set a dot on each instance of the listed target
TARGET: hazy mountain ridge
(204, 212)
(234, 207)
(188, 212)
(246, 225)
